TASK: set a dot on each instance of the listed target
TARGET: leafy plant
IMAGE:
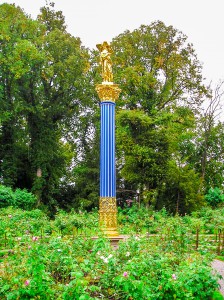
(19, 198)
(214, 197)
(24, 199)
(6, 196)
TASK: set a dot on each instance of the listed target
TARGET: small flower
(27, 282)
(35, 238)
(106, 260)
(19, 238)
(125, 274)
(98, 253)
(29, 247)
(128, 254)
(110, 256)
(10, 216)
(174, 277)
(59, 250)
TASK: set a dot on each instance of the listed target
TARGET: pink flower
(174, 277)
(29, 247)
(27, 282)
(35, 238)
(125, 274)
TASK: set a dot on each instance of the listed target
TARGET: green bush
(214, 197)
(24, 199)
(6, 196)
(19, 199)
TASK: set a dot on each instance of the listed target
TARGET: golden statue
(106, 62)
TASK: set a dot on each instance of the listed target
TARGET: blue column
(108, 93)
(107, 150)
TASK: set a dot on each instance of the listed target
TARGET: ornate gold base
(108, 216)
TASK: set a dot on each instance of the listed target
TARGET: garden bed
(58, 259)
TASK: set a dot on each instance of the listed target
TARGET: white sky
(97, 20)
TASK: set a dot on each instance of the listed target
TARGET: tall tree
(157, 68)
(212, 142)
(17, 35)
(206, 150)
(162, 90)
(46, 67)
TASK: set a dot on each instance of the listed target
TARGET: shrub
(19, 199)
(214, 197)
(6, 196)
(24, 199)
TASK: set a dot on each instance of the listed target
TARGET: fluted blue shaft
(107, 150)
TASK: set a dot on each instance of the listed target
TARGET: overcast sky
(97, 20)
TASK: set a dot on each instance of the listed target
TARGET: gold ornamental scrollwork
(108, 215)
(108, 92)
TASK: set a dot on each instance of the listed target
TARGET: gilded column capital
(108, 91)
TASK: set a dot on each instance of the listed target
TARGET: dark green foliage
(41, 79)
(180, 193)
